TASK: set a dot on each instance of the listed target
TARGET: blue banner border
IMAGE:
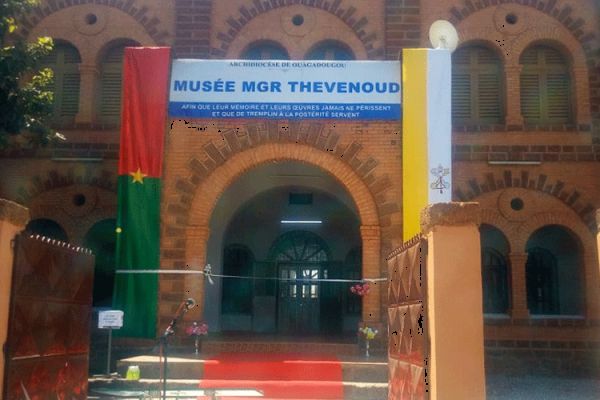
(338, 111)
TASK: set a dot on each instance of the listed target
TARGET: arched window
(297, 246)
(109, 102)
(48, 228)
(477, 90)
(553, 272)
(330, 50)
(265, 50)
(494, 270)
(101, 239)
(545, 86)
(64, 61)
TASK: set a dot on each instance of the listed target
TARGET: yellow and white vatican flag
(427, 130)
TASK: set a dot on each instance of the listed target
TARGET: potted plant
(196, 330)
(369, 334)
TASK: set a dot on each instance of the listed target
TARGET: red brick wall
(192, 28)
(565, 183)
(402, 26)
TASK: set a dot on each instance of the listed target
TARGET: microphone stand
(163, 342)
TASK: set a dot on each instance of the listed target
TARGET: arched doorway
(300, 255)
(275, 224)
(48, 228)
(554, 272)
(494, 270)
(101, 239)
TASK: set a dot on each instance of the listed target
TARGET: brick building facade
(526, 146)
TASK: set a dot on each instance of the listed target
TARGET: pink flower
(360, 289)
(197, 329)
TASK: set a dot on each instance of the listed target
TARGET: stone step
(352, 390)
(266, 346)
(354, 369)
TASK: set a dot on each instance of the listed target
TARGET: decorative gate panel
(49, 322)
(408, 349)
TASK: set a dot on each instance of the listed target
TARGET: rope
(207, 272)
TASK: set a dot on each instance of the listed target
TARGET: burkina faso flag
(143, 120)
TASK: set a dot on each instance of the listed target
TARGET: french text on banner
(367, 90)
(285, 110)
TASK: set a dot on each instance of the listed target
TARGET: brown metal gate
(408, 349)
(49, 322)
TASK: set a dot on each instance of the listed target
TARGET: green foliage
(25, 98)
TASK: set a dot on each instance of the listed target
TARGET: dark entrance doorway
(299, 300)
(299, 255)
(554, 272)
(294, 222)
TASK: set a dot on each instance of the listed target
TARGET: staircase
(363, 378)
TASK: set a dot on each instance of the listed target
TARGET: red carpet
(278, 376)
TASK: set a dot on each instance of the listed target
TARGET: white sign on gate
(285, 89)
(110, 319)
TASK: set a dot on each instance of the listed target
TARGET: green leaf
(25, 91)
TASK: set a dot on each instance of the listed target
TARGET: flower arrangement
(369, 334)
(196, 330)
(360, 289)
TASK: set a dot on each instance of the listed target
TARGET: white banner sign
(111, 319)
(354, 90)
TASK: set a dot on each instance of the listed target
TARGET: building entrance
(278, 247)
(299, 254)
(299, 301)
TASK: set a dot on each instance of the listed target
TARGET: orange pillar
(371, 268)
(519, 309)
(454, 301)
(13, 219)
(196, 242)
(176, 288)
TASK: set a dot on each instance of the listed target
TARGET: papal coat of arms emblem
(440, 183)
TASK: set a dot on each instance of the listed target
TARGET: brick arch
(570, 50)
(333, 42)
(108, 46)
(576, 60)
(473, 41)
(260, 42)
(495, 219)
(186, 240)
(545, 29)
(563, 15)
(56, 179)
(216, 183)
(139, 12)
(564, 220)
(315, 136)
(582, 43)
(569, 43)
(571, 197)
(338, 8)
(589, 261)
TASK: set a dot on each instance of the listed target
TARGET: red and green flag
(144, 109)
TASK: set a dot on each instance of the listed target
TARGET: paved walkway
(500, 387)
(541, 388)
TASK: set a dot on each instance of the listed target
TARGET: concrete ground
(541, 388)
(499, 386)
(504, 387)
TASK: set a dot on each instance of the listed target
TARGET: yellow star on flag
(138, 176)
